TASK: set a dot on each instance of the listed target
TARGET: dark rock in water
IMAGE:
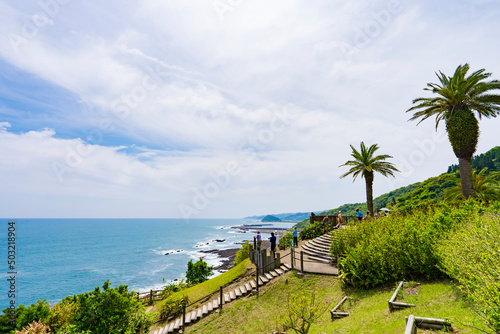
(219, 240)
(167, 253)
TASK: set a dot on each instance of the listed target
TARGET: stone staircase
(317, 249)
(194, 315)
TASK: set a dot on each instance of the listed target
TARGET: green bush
(398, 247)
(35, 312)
(62, 315)
(243, 253)
(111, 310)
(172, 306)
(312, 231)
(286, 240)
(471, 256)
(198, 272)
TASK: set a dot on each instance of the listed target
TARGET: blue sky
(222, 108)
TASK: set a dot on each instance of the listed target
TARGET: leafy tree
(198, 272)
(459, 97)
(365, 163)
(111, 310)
(486, 187)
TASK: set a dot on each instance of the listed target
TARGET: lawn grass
(212, 285)
(369, 313)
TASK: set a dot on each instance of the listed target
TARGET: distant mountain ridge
(291, 216)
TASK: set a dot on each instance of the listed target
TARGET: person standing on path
(377, 214)
(339, 218)
(295, 237)
(277, 239)
(360, 214)
(258, 239)
(272, 239)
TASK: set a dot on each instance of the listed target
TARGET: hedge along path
(205, 309)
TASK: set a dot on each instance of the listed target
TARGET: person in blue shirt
(295, 237)
(360, 214)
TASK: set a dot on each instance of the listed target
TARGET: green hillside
(419, 194)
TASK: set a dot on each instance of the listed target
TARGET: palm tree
(365, 163)
(459, 97)
(486, 187)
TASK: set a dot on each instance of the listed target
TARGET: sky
(223, 108)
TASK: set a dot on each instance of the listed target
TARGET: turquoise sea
(59, 257)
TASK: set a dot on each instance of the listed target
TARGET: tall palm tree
(365, 163)
(486, 187)
(459, 97)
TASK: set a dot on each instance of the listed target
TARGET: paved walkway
(310, 266)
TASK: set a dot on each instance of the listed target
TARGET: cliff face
(270, 218)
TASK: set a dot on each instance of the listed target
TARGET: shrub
(398, 248)
(36, 327)
(172, 306)
(243, 253)
(286, 240)
(62, 315)
(31, 314)
(311, 231)
(198, 272)
(471, 255)
(111, 310)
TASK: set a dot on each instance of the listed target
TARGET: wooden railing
(149, 297)
(333, 219)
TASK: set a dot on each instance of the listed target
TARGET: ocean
(55, 258)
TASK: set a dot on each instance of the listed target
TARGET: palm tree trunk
(369, 191)
(466, 177)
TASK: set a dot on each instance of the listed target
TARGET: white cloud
(191, 88)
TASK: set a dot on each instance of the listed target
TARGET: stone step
(318, 259)
(269, 276)
(199, 314)
(253, 284)
(210, 307)
(314, 248)
(264, 279)
(287, 266)
(243, 290)
(188, 318)
(284, 268)
(321, 243)
(227, 299)
(273, 273)
(307, 248)
(215, 303)
(177, 324)
(171, 327)
(237, 292)
(232, 295)
(248, 287)
(316, 256)
(204, 310)
(279, 271)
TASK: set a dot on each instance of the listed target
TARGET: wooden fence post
(292, 257)
(151, 297)
(221, 300)
(302, 261)
(183, 318)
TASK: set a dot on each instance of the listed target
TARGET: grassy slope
(198, 291)
(369, 314)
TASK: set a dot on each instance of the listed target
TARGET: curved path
(316, 256)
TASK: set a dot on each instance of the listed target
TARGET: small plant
(286, 240)
(301, 311)
(172, 306)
